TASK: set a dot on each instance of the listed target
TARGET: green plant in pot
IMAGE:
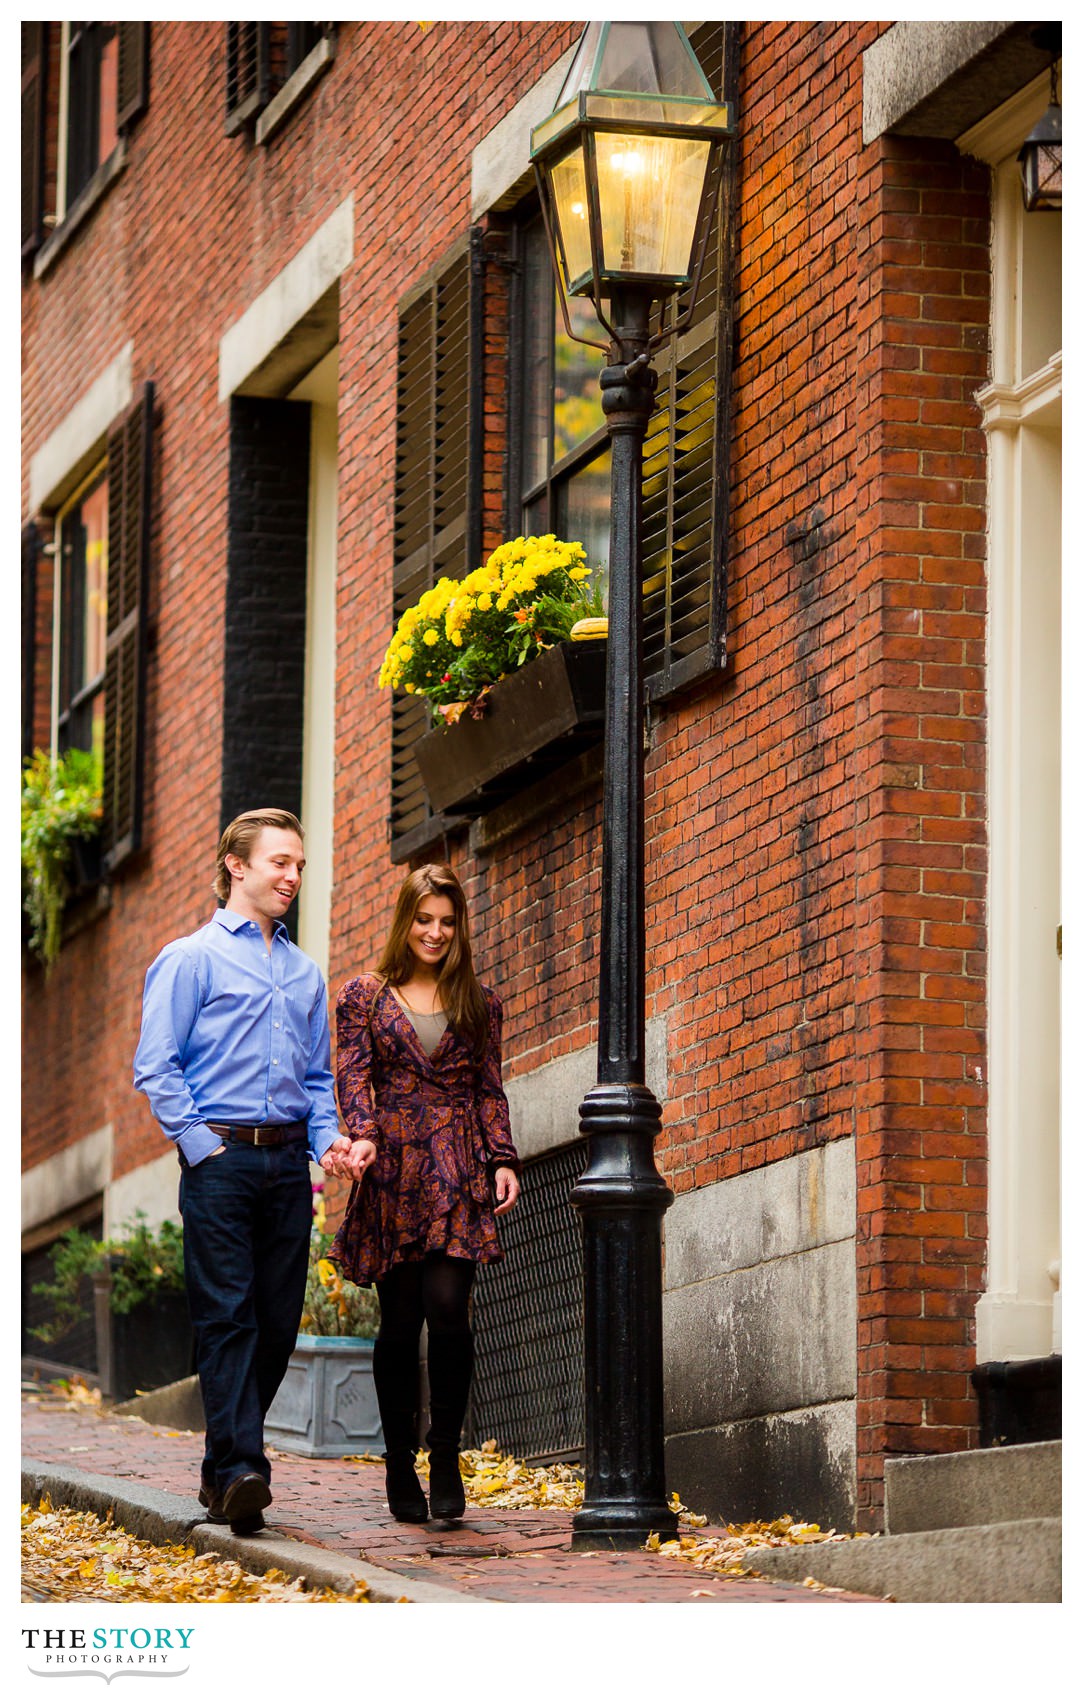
(142, 1264)
(135, 1282)
(61, 808)
(333, 1305)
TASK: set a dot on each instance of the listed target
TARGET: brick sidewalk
(517, 1556)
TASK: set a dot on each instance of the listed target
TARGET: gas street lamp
(628, 166)
(1041, 156)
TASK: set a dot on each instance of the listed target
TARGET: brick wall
(920, 914)
(815, 818)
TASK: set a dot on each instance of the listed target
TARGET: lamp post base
(615, 1529)
(622, 1198)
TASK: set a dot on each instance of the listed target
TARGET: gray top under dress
(429, 1028)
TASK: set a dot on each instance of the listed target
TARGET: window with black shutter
(133, 72)
(91, 66)
(129, 464)
(433, 533)
(260, 60)
(686, 452)
(71, 150)
(31, 559)
(561, 450)
(33, 63)
(102, 550)
(556, 453)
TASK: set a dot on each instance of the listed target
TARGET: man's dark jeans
(247, 1218)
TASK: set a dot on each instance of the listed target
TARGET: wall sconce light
(1040, 155)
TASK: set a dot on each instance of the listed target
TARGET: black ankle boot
(451, 1364)
(395, 1376)
(447, 1496)
(405, 1495)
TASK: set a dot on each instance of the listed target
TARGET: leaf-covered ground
(493, 1479)
(496, 1479)
(74, 1556)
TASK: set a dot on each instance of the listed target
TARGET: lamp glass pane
(655, 110)
(1042, 175)
(647, 58)
(569, 180)
(649, 189)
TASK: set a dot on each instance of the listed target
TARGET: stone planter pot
(536, 719)
(326, 1406)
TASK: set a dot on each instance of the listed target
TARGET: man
(235, 1058)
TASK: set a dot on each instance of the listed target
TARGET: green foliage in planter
(334, 1305)
(61, 803)
(142, 1264)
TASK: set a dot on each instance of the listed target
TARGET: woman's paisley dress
(440, 1125)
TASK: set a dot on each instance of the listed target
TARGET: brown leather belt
(261, 1133)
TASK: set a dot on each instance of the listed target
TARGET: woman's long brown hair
(460, 993)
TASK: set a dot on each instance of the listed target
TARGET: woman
(420, 1091)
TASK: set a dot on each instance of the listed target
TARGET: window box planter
(326, 1406)
(536, 719)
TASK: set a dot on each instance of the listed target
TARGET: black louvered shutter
(125, 651)
(33, 62)
(248, 72)
(31, 554)
(133, 64)
(686, 453)
(432, 454)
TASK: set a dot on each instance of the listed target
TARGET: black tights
(435, 1291)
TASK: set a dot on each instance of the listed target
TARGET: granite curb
(151, 1514)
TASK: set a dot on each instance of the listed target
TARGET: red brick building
(290, 354)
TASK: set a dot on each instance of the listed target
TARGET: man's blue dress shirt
(233, 1032)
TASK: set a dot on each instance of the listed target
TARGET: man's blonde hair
(240, 836)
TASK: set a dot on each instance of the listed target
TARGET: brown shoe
(243, 1501)
(212, 1499)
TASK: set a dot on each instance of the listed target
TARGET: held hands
(506, 1187)
(348, 1157)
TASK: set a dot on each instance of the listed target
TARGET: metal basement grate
(528, 1320)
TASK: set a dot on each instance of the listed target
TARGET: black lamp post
(628, 167)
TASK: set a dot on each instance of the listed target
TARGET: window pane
(107, 98)
(536, 515)
(537, 356)
(584, 514)
(577, 396)
(95, 515)
(92, 102)
(84, 584)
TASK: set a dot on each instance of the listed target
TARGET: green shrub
(142, 1264)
